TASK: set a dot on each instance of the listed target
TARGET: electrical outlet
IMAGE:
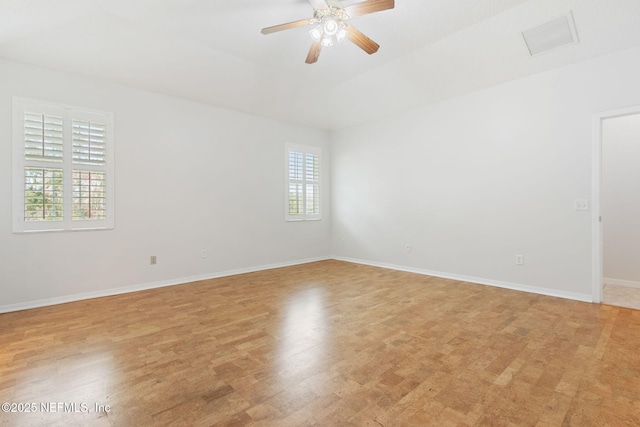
(153, 260)
(203, 253)
(519, 259)
(407, 248)
(581, 205)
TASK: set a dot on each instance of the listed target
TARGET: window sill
(62, 230)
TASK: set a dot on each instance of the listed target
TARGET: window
(302, 183)
(62, 167)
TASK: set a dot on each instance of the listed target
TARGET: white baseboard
(179, 281)
(620, 282)
(478, 280)
(144, 286)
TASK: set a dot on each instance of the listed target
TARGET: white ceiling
(211, 51)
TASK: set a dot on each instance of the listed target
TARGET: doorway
(617, 219)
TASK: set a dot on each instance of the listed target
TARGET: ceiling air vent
(553, 35)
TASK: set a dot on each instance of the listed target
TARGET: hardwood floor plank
(327, 344)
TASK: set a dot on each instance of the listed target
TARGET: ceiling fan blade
(318, 4)
(369, 6)
(287, 26)
(363, 42)
(314, 53)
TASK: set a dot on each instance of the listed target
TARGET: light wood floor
(327, 344)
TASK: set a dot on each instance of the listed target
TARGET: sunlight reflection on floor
(304, 335)
(77, 390)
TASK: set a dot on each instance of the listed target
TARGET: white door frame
(597, 254)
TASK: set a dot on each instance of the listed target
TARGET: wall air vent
(553, 35)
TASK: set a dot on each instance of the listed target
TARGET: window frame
(66, 165)
(304, 150)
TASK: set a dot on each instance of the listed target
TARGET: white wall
(468, 182)
(188, 177)
(472, 181)
(621, 198)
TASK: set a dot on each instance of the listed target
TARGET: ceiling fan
(330, 25)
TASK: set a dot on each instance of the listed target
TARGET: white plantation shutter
(296, 181)
(89, 195)
(312, 182)
(43, 194)
(296, 199)
(62, 167)
(302, 183)
(43, 137)
(89, 142)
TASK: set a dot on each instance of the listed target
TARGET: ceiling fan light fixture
(330, 27)
(341, 34)
(316, 33)
(327, 41)
(329, 31)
